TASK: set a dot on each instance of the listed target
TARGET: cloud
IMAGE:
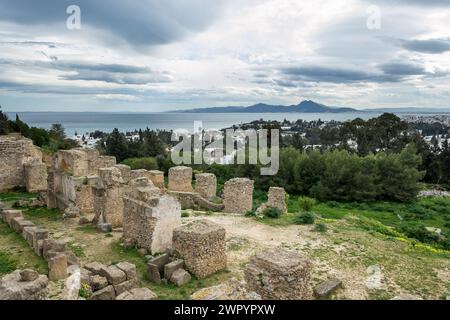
(137, 22)
(402, 69)
(433, 46)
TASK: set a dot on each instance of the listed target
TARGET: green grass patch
(7, 265)
(16, 195)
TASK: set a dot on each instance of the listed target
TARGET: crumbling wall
(15, 152)
(148, 217)
(238, 195)
(35, 175)
(276, 199)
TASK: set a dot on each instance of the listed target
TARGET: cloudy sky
(149, 55)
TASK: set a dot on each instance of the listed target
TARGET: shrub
(147, 163)
(306, 204)
(321, 227)
(305, 218)
(271, 212)
(184, 214)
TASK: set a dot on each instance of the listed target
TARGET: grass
(16, 195)
(15, 253)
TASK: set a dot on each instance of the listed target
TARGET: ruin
(238, 195)
(279, 275)
(21, 164)
(149, 217)
(202, 246)
(23, 285)
(71, 178)
(206, 185)
(276, 199)
(180, 179)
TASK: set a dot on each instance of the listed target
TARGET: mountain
(306, 106)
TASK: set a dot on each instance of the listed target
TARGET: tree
(116, 145)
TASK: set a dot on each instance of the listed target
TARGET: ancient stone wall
(202, 246)
(35, 175)
(278, 274)
(157, 177)
(206, 185)
(15, 152)
(180, 179)
(276, 199)
(238, 195)
(148, 217)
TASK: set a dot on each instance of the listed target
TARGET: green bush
(305, 218)
(306, 204)
(321, 227)
(271, 212)
(147, 163)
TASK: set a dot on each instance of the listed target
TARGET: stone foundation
(279, 275)
(238, 195)
(202, 246)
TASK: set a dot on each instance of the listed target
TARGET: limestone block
(129, 269)
(180, 277)
(58, 267)
(138, 294)
(180, 179)
(98, 282)
(238, 195)
(107, 293)
(35, 175)
(113, 274)
(23, 286)
(157, 177)
(206, 185)
(171, 267)
(279, 275)
(202, 246)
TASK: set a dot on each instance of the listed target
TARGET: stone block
(35, 175)
(278, 274)
(206, 185)
(129, 269)
(138, 294)
(98, 282)
(171, 267)
(28, 275)
(180, 179)
(8, 215)
(13, 287)
(202, 246)
(180, 277)
(113, 274)
(107, 293)
(326, 288)
(125, 286)
(58, 267)
(238, 195)
(94, 267)
(157, 177)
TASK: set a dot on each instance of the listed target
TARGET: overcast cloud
(150, 55)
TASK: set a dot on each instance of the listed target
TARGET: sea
(86, 122)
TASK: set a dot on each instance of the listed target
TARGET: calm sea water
(82, 122)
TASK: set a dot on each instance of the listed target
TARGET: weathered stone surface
(153, 273)
(280, 275)
(107, 293)
(94, 267)
(171, 267)
(72, 286)
(28, 234)
(129, 269)
(238, 195)
(51, 247)
(19, 223)
(28, 275)
(138, 294)
(113, 274)
(327, 287)
(202, 246)
(276, 199)
(157, 177)
(206, 185)
(15, 152)
(12, 287)
(230, 290)
(180, 277)
(180, 179)
(98, 282)
(57, 267)
(8, 215)
(39, 234)
(406, 296)
(104, 227)
(150, 224)
(35, 176)
(125, 286)
(71, 212)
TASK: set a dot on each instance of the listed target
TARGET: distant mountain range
(306, 106)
